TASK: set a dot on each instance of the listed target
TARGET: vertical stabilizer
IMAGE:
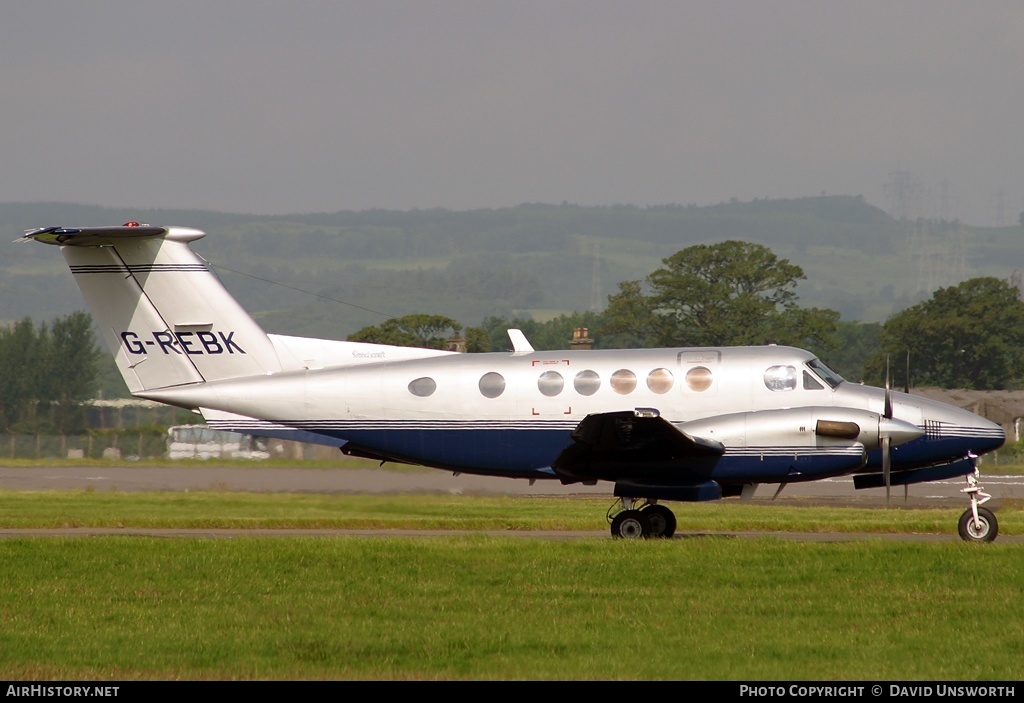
(162, 312)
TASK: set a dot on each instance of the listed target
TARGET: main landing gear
(649, 520)
(977, 524)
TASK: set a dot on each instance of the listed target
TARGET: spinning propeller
(887, 430)
(885, 437)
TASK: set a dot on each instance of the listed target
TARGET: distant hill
(533, 259)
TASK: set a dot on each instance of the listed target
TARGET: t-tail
(164, 315)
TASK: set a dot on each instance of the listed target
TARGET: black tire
(663, 520)
(631, 524)
(986, 529)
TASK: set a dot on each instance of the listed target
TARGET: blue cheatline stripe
(253, 425)
(384, 425)
(138, 268)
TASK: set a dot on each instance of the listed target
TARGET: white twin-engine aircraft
(660, 424)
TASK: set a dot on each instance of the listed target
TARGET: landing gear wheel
(631, 524)
(663, 520)
(984, 530)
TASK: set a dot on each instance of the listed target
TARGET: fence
(134, 444)
(124, 444)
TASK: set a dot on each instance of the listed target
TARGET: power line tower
(903, 195)
(956, 253)
(925, 251)
(944, 202)
(1000, 209)
(595, 281)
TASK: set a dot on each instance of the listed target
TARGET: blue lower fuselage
(529, 453)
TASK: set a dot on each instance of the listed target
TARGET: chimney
(580, 340)
(456, 343)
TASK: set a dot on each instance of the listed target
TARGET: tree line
(738, 293)
(732, 293)
(47, 372)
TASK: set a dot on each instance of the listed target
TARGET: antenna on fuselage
(906, 389)
(906, 383)
(520, 344)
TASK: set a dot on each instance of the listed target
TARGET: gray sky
(280, 107)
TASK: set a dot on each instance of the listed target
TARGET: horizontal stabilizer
(91, 236)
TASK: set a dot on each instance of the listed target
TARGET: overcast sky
(299, 106)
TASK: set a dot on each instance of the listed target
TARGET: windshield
(825, 373)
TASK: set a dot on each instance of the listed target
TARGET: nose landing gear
(977, 524)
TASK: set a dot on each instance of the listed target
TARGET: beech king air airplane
(660, 424)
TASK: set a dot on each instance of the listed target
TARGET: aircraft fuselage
(512, 414)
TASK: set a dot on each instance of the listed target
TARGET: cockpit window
(811, 383)
(780, 378)
(823, 372)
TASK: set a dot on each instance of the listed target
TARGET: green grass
(477, 607)
(481, 606)
(224, 509)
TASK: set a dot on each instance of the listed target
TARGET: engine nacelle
(811, 426)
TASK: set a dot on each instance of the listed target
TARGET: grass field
(225, 509)
(496, 607)
(477, 607)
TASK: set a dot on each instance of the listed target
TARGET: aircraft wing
(637, 444)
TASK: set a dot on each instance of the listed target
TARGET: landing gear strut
(977, 524)
(649, 520)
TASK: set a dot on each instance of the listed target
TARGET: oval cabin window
(660, 381)
(423, 387)
(698, 379)
(780, 378)
(623, 381)
(492, 384)
(587, 382)
(550, 383)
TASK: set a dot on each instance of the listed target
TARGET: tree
(730, 293)
(22, 363)
(630, 321)
(857, 342)
(72, 370)
(965, 336)
(418, 330)
(46, 374)
(556, 333)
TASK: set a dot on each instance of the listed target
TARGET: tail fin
(163, 314)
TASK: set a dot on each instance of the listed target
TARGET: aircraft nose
(993, 436)
(983, 435)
